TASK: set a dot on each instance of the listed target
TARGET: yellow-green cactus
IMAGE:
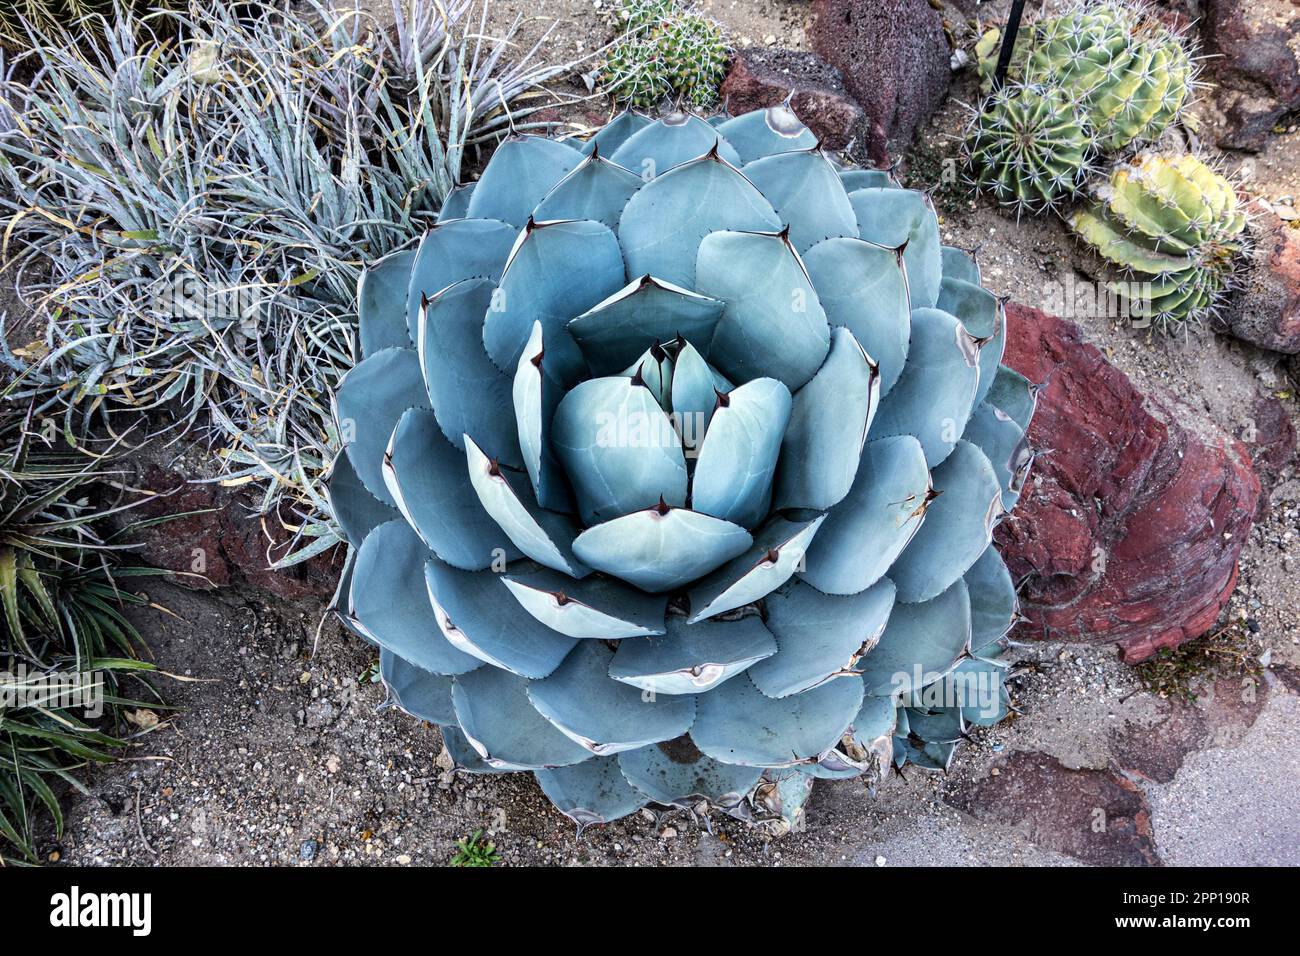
(1028, 148)
(1173, 224)
(1130, 74)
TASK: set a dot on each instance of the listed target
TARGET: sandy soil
(279, 756)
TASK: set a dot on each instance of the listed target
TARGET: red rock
(895, 61)
(1097, 816)
(220, 542)
(761, 77)
(1272, 441)
(1254, 59)
(1267, 311)
(1130, 529)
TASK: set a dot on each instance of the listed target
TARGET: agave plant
(1176, 230)
(679, 484)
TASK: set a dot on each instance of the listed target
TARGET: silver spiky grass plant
(189, 218)
(666, 52)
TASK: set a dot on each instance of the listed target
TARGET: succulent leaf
(692, 658)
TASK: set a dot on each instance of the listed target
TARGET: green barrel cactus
(667, 51)
(1175, 228)
(1027, 147)
(672, 466)
(1130, 75)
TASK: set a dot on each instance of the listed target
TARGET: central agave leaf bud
(672, 466)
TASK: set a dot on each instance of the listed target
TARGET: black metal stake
(1008, 43)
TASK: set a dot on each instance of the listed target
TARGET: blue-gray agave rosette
(672, 467)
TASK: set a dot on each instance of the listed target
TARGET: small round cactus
(1130, 75)
(667, 52)
(673, 461)
(1176, 229)
(1028, 148)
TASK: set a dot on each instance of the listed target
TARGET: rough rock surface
(1098, 816)
(1267, 310)
(894, 57)
(1130, 527)
(1254, 47)
(217, 541)
(760, 78)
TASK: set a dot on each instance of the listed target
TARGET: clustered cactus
(1098, 78)
(1175, 229)
(667, 52)
(679, 485)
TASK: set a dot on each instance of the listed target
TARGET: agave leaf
(654, 368)
(522, 172)
(381, 303)
(1005, 445)
(456, 205)
(784, 793)
(943, 725)
(452, 252)
(469, 393)
(606, 716)
(692, 658)
(863, 535)
(874, 728)
(1014, 396)
(898, 218)
(369, 401)
(936, 392)
(675, 773)
(390, 605)
(959, 264)
(661, 548)
(806, 193)
(828, 426)
(773, 324)
(596, 190)
(863, 289)
(984, 317)
(664, 144)
(927, 756)
(494, 713)
(986, 701)
(426, 477)
(958, 526)
(694, 395)
(614, 133)
(994, 606)
(595, 607)
(819, 636)
(855, 179)
(593, 791)
(768, 132)
(618, 448)
(736, 723)
(473, 615)
(463, 755)
(615, 332)
(737, 459)
(545, 536)
(778, 550)
(536, 395)
(420, 693)
(356, 510)
(662, 224)
(556, 270)
(921, 643)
